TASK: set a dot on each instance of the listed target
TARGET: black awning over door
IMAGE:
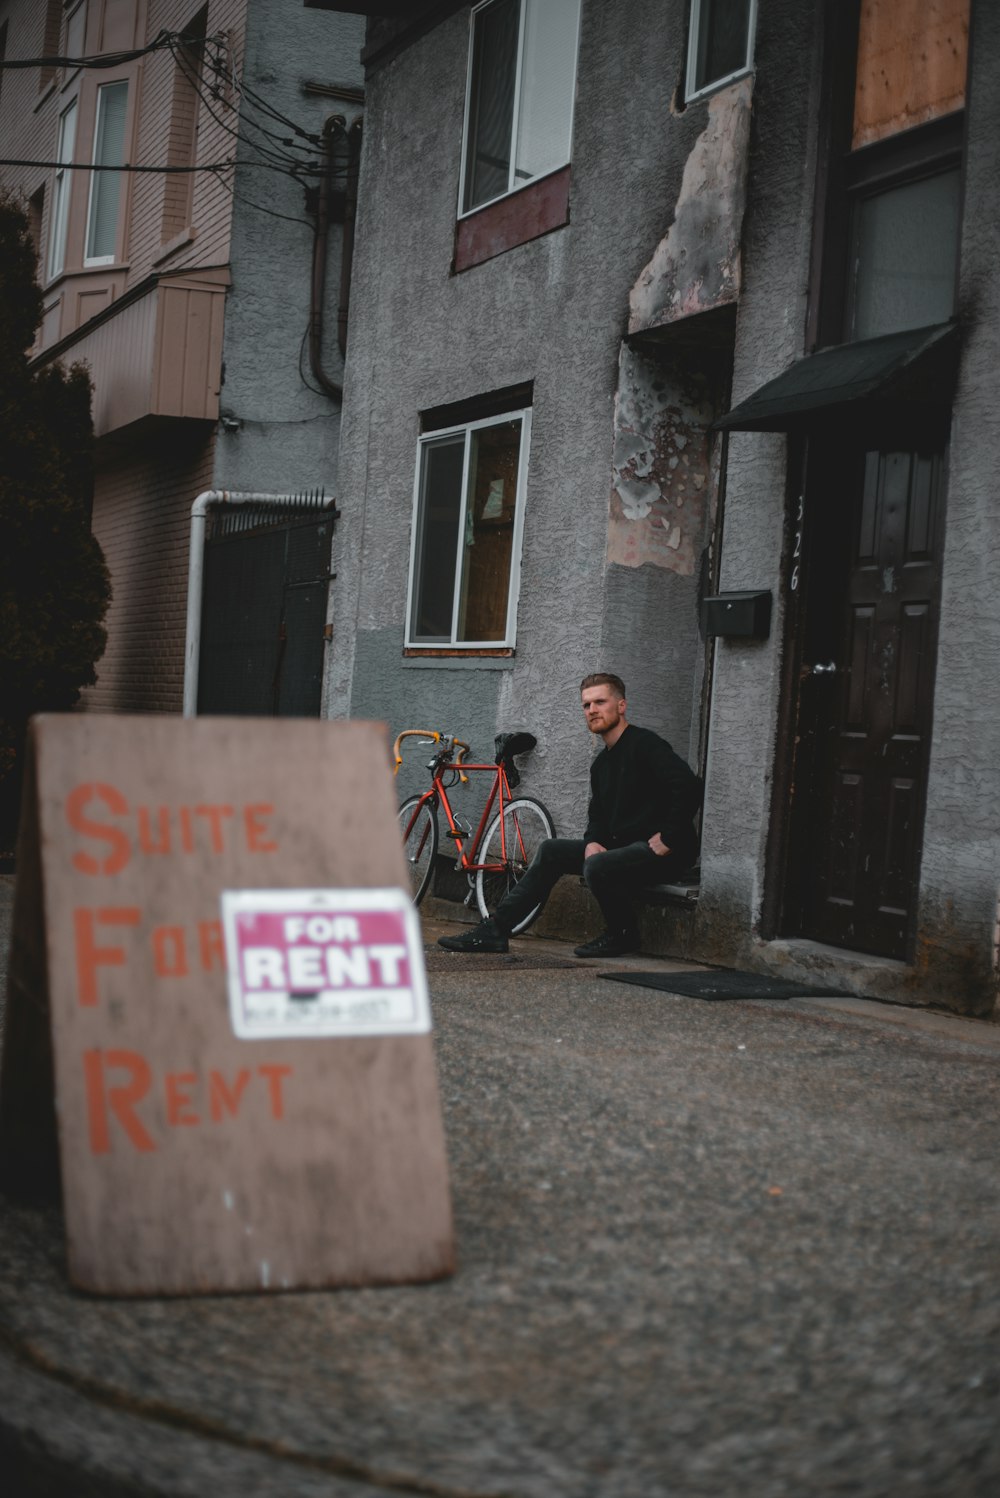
(900, 373)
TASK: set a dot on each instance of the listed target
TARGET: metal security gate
(267, 579)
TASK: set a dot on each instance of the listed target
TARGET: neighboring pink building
(135, 268)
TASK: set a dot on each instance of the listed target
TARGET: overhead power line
(89, 166)
(210, 98)
(303, 169)
(271, 152)
(97, 60)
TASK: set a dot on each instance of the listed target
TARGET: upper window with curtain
(519, 102)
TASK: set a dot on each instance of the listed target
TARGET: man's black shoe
(609, 944)
(485, 937)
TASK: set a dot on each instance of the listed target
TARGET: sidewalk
(704, 1249)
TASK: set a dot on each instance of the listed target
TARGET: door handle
(821, 669)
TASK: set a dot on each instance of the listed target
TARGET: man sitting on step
(640, 831)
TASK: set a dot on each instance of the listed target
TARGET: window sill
(413, 661)
(71, 273)
(449, 652)
(709, 90)
(178, 242)
(516, 219)
(45, 92)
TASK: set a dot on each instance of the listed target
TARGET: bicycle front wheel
(419, 830)
(526, 824)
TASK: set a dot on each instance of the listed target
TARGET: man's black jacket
(640, 786)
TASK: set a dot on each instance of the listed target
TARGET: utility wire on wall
(219, 88)
(98, 60)
(246, 123)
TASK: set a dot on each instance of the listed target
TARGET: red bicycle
(510, 829)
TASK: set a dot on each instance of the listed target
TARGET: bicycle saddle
(509, 744)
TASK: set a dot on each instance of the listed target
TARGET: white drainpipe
(213, 499)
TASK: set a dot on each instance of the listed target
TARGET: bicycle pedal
(456, 835)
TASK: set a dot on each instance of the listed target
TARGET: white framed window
(465, 549)
(76, 27)
(519, 96)
(720, 44)
(51, 31)
(60, 190)
(106, 186)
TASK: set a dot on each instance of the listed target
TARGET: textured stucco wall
(770, 334)
(289, 435)
(960, 878)
(553, 311)
(662, 517)
(960, 869)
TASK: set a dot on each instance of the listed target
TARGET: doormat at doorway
(728, 983)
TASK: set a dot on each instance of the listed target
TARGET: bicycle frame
(500, 789)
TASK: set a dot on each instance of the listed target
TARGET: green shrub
(54, 584)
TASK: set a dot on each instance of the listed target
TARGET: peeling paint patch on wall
(697, 265)
(663, 481)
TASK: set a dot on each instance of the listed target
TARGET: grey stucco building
(590, 237)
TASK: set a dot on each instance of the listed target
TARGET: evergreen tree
(54, 584)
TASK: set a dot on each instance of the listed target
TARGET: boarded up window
(912, 60)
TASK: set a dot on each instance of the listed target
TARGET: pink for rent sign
(324, 962)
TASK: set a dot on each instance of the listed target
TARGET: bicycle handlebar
(431, 736)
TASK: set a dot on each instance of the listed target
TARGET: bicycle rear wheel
(527, 823)
(419, 830)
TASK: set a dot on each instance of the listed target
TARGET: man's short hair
(604, 679)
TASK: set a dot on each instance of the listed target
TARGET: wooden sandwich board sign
(217, 1009)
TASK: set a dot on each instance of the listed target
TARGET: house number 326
(793, 581)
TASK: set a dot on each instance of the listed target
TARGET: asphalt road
(705, 1249)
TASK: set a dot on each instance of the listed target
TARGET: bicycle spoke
(508, 848)
(418, 825)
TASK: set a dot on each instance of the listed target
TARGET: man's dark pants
(614, 878)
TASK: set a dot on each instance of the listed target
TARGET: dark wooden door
(873, 527)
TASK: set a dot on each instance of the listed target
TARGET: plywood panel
(912, 62)
(194, 1159)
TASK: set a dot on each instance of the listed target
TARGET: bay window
(60, 190)
(106, 185)
(76, 27)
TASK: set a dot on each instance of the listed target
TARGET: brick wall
(151, 239)
(211, 201)
(142, 507)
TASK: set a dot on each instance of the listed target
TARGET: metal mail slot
(744, 615)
